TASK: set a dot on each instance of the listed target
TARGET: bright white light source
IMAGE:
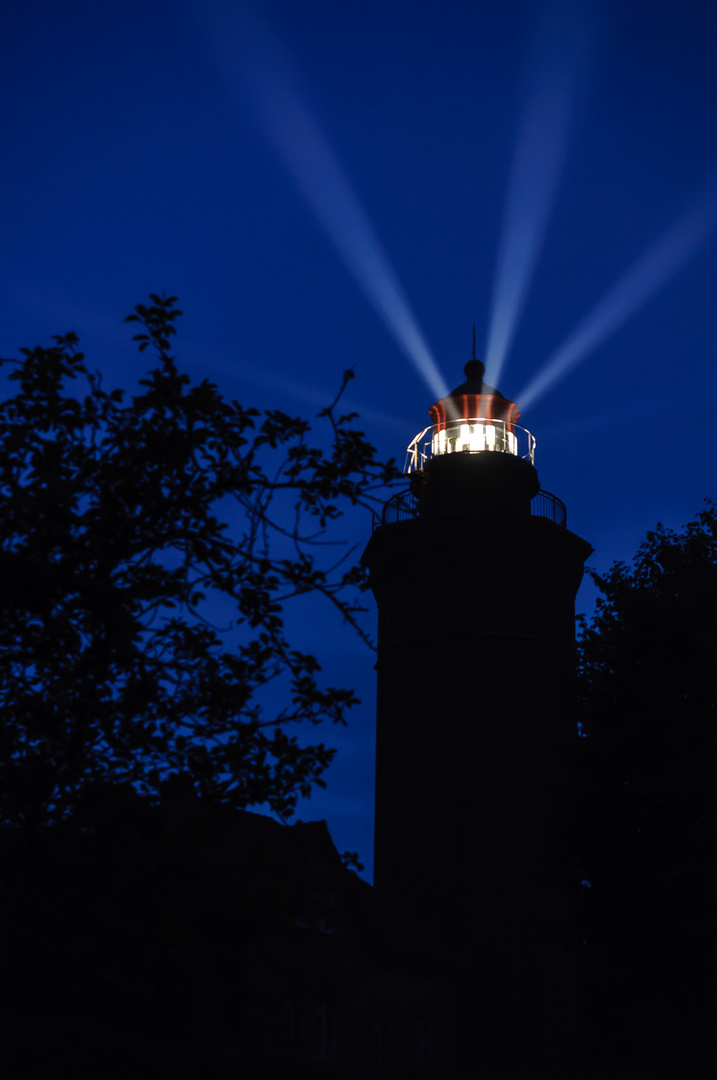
(477, 439)
(473, 437)
(644, 278)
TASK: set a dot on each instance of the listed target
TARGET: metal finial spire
(475, 368)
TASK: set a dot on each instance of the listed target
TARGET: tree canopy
(647, 679)
(647, 687)
(148, 546)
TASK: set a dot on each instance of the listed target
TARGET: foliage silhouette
(129, 527)
(648, 704)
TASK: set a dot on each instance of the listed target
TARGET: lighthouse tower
(475, 575)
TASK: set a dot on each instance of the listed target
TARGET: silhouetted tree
(129, 528)
(648, 706)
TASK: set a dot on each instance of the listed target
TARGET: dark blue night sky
(329, 185)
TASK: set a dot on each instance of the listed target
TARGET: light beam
(559, 57)
(662, 260)
(286, 122)
(326, 189)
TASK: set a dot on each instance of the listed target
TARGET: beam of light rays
(662, 260)
(559, 57)
(323, 184)
(286, 122)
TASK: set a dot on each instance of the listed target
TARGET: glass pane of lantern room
(477, 439)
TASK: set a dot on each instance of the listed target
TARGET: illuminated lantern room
(473, 456)
(474, 418)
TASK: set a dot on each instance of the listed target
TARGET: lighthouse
(475, 574)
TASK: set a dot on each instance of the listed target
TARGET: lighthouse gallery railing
(471, 436)
(404, 505)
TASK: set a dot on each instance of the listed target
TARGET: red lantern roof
(473, 400)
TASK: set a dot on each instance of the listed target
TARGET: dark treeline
(646, 817)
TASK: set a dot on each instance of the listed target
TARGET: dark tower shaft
(476, 651)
